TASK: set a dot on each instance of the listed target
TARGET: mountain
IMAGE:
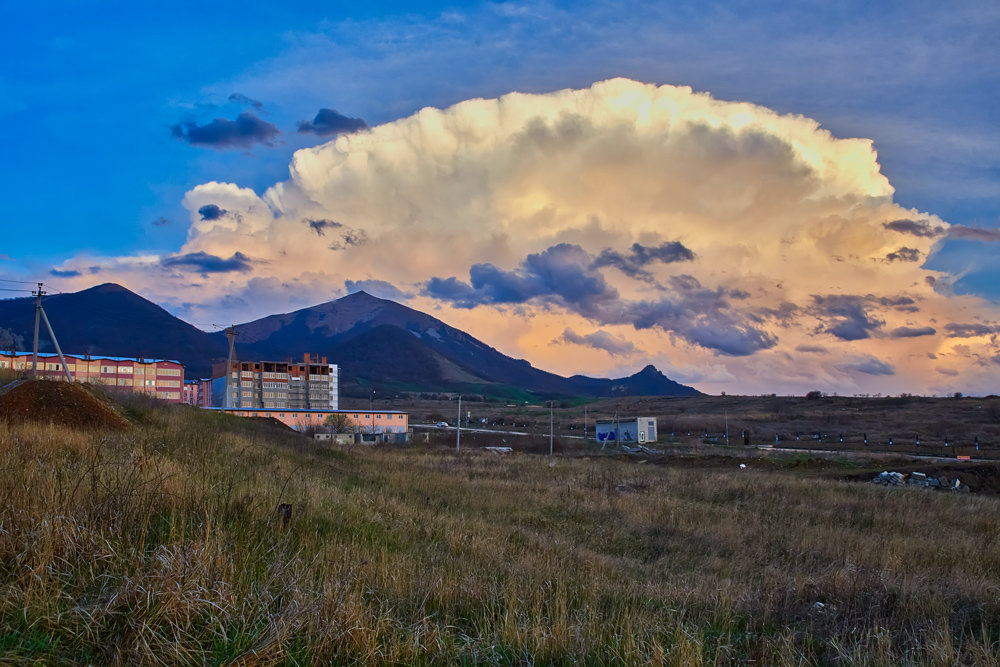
(110, 320)
(385, 344)
(377, 343)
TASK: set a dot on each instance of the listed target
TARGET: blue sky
(109, 109)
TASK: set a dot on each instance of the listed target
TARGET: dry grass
(163, 545)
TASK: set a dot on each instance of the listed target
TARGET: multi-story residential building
(161, 378)
(198, 393)
(312, 384)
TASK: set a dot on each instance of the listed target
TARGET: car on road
(442, 424)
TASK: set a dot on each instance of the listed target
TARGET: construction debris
(919, 479)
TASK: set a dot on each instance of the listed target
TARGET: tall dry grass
(163, 545)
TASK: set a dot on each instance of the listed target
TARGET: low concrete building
(626, 431)
(375, 423)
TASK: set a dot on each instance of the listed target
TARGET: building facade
(198, 393)
(377, 422)
(312, 384)
(161, 378)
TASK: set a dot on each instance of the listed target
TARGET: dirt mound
(63, 403)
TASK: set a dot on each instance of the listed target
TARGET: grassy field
(201, 538)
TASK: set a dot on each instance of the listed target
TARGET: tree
(339, 423)
(10, 341)
(814, 394)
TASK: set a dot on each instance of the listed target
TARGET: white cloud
(786, 225)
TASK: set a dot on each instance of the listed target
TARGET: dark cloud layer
(912, 332)
(567, 276)
(350, 238)
(920, 228)
(845, 316)
(71, 273)
(239, 98)
(904, 255)
(632, 263)
(971, 330)
(203, 262)
(221, 133)
(868, 365)
(973, 233)
(320, 226)
(211, 212)
(599, 340)
(330, 121)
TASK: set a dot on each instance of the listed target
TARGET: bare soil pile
(63, 403)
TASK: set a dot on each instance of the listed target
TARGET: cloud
(558, 275)
(379, 288)
(912, 332)
(868, 365)
(223, 133)
(565, 276)
(921, 228)
(211, 212)
(722, 235)
(904, 255)
(599, 340)
(974, 233)
(330, 122)
(971, 330)
(632, 263)
(320, 226)
(72, 273)
(239, 98)
(846, 316)
(206, 263)
(350, 238)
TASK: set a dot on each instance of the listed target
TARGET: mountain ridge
(377, 343)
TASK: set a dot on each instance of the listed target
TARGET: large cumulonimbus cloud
(719, 238)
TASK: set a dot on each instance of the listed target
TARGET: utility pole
(55, 341)
(585, 423)
(40, 314)
(34, 349)
(618, 427)
(550, 428)
(458, 427)
(231, 335)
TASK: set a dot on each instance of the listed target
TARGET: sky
(754, 197)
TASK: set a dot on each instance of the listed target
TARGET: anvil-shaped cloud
(718, 239)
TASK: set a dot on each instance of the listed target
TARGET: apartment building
(161, 378)
(312, 384)
(198, 393)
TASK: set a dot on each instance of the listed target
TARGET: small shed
(626, 430)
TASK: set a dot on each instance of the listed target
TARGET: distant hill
(111, 320)
(377, 343)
